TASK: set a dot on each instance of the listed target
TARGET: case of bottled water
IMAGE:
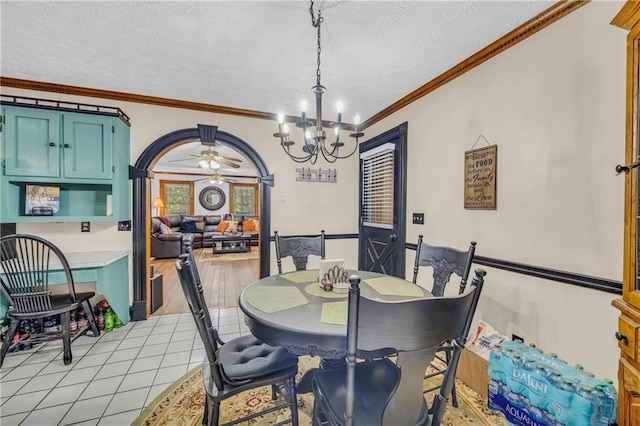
(536, 389)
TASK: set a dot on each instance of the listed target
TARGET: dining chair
(299, 248)
(363, 393)
(29, 266)
(241, 364)
(445, 262)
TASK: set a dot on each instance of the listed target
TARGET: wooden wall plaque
(480, 166)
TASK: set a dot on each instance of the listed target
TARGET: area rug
(182, 404)
(206, 255)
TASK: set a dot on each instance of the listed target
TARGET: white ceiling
(254, 55)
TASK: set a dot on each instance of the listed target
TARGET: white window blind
(377, 186)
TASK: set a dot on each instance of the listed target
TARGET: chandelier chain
(316, 24)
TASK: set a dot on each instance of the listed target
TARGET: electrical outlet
(124, 225)
(85, 227)
(517, 338)
(418, 218)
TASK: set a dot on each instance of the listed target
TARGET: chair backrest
(410, 325)
(185, 269)
(444, 261)
(299, 248)
(27, 263)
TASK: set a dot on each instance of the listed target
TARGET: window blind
(377, 186)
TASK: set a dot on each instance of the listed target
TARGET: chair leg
(66, 337)
(454, 398)
(214, 415)
(274, 392)
(205, 415)
(91, 318)
(13, 328)
(291, 383)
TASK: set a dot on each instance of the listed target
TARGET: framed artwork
(212, 198)
(42, 200)
(480, 179)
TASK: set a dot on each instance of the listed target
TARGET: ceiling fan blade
(181, 159)
(237, 160)
(226, 161)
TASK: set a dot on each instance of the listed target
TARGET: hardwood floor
(222, 282)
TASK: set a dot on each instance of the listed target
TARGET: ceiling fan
(216, 178)
(210, 159)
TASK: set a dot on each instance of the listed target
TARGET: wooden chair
(29, 265)
(299, 248)
(445, 262)
(244, 363)
(374, 324)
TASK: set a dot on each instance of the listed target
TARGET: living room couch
(194, 230)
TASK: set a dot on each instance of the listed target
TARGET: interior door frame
(140, 175)
(397, 136)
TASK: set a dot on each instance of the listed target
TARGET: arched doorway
(140, 177)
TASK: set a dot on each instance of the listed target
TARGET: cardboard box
(473, 371)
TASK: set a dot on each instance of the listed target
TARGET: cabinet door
(32, 142)
(87, 147)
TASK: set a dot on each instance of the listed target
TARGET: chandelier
(315, 140)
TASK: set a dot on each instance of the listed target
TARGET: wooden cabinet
(629, 321)
(86, 156)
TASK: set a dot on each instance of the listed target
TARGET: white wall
(554, 106)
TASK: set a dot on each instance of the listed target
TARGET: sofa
(179, 231)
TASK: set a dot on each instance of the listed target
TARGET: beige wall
(554, 105)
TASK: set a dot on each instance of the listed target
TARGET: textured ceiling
(258, 55)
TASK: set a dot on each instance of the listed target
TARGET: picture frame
(480, 179)
(41, 200)
(212, 198)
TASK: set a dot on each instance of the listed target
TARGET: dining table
(293, 310)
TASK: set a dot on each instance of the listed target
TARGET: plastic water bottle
(584, 405)
(564, 396)
(611, 392)
(513, 379)
(497, 364)
(605, 412)
(539, 394)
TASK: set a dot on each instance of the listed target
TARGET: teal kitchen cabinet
(85, 156)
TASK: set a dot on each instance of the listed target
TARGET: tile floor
(112, 377)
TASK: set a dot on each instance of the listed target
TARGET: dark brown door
(383, 183)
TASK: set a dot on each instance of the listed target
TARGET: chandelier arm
(345, 156)
(294, 157)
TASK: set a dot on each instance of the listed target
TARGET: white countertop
(94, 259)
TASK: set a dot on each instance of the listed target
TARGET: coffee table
(240, 243)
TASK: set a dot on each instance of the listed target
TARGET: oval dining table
(293, 311)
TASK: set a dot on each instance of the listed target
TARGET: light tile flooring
(112, 377)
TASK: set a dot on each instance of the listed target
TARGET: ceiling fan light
(203, 164)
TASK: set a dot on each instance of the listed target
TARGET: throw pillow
(164, 229)
(233, 226)
(164, 220)
(247, 226)
(256, 225)
(222, 226)
(188, 227)
(200, 226)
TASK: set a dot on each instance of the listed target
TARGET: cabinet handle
(66, 145)
(634, 394)
(622, 337)
(52, 144)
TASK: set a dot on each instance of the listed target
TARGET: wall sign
(480, 166)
